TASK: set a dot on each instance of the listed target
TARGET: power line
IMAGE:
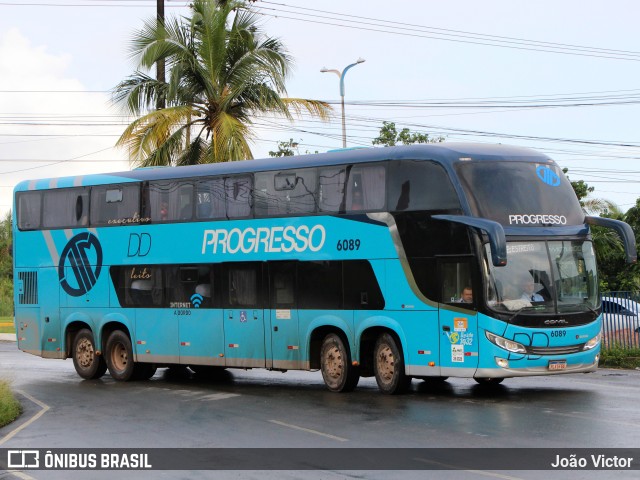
(546, 47)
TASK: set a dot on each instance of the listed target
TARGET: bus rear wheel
(335, 362)
(119, 355)
(388, 366)
(87, 363)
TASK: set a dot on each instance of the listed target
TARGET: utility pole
(160, 104)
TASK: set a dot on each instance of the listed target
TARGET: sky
(559, 77)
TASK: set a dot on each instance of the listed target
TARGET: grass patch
(9, 407)
(618, 357)
(6, 325)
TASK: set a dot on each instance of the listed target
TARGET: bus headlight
(508, 345)
(593, 342)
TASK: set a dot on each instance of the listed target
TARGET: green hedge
(9, 407)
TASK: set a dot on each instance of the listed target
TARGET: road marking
(218, 396)
(44, 410)
(477, 472)
(21, 475)
(308, 430)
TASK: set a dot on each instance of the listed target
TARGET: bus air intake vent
(555, 350)
(29, 295)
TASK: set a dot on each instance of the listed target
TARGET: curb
(7, 337)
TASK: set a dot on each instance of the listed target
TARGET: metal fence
(620, 319)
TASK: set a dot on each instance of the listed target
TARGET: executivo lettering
(264, 239)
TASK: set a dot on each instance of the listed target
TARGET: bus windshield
(520, 194)
(545, 277)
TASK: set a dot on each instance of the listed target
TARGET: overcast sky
(560, 77)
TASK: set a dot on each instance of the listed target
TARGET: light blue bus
(430, 261)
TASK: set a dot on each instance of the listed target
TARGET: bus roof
(444, 153)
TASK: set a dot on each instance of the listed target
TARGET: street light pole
(341, 75)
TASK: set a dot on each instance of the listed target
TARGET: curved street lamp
(341, 74)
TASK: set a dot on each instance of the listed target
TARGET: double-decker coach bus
(430, 261)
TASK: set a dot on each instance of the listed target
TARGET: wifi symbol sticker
(197, 299)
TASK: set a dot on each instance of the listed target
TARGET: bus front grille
(555, 350)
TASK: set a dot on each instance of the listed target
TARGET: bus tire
(489, 381)
(87, 364)
(338, 373)
(119, 356)
(388, 366)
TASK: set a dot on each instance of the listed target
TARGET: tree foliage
(615, 274)
(390, 137)
(285, 149)
(222, 72)
(6, 266)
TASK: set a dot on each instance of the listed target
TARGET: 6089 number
(348, 244)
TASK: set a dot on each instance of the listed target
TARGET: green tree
(615, 273)
(581, 188)
(390, 137)
(222, 71)
(285, 149)
(6, 267)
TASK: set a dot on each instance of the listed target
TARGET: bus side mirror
(495, 232)
(623, 230)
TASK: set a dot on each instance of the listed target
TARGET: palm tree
(222, 71)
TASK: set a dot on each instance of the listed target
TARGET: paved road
(270, 409)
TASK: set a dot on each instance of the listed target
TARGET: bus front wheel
(119, 356)
(335, 362)
(87, 363)
(388, 366)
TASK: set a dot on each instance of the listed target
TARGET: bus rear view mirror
(494, 231)
(623, 230)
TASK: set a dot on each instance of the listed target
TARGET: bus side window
(170, 201)
(320, 285)
(420, 185)
(283, 284)
(210, 201)
(331, 188)
(243, 284)
(366, 188)
(115, 204)
(361, 288)
(66, 207)
(238, 196)
(286, 192)
(138, 286)
(29, 209)
(455, 278)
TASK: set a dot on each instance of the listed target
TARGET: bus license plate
(557, 364)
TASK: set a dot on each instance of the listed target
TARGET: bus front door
(458, 320)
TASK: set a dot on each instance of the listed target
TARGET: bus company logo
(76, 259)
(264, 239)
(23, 459)
(548, 176)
